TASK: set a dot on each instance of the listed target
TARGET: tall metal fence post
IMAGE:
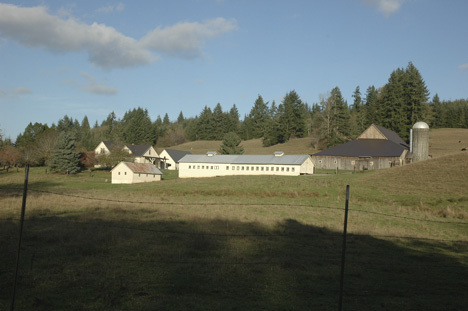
(343, 254)
(23, 209)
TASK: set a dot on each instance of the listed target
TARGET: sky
(90, 58)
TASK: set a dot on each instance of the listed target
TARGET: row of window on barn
(245, 168)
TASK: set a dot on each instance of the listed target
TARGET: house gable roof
(138, 150)
(141, 168)
(111, 144)
(176, 155)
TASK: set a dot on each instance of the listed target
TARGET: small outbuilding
(131, 173)
(170, 158)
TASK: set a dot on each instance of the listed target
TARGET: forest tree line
(400, 103)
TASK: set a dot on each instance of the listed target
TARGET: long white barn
(212, 164)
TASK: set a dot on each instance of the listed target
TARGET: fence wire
(330, 256)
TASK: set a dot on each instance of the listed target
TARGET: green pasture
(238, 243)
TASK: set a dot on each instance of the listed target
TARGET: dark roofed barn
(375, 148)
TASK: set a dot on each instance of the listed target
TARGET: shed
(131, 173)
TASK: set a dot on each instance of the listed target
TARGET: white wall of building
(168, 160)
(101, 149)
(195, 170)
(122, 174)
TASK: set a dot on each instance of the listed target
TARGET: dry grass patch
(252, 146)
(447, 141)
(446, 175)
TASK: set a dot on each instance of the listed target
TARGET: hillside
(442, 142)
(253, 146)
(445, 175)
(447, 141)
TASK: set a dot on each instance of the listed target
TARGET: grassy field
(241, 243)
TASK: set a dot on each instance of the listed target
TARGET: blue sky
(80, 58)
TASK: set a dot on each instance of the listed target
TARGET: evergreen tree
(340, 126)
(219, 119)
(87, 141)
(436, 112)
(258, 118)
(137, 127)
(64, 159)
(232, 119)
(274, 132)
(372, 107)
(111, 127)
(416, 97)
(231, 144)
(166, 121)
(392, 103)
(191, 128)
(404, 101)
(292, 120)
(358, 114)
(180, 118)
(65, 124)
(205, 126)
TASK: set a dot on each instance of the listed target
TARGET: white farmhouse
(131, 173)
(142, 153)
(212, 164)
(105, 147)
(170, 158)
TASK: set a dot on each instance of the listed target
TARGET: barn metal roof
(142, 168)
(365, 148)
(392, 136)
(245, 159)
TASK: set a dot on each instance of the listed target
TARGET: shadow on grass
(87, 263)
(16, 189)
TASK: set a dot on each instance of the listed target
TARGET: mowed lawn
(239, 243)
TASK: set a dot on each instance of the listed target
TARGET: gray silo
(420, 144)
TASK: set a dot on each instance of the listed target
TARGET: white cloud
(106, 47)
(185, 39)
(15, 92)
(386, 7)
(93, 86)
(112, 8)
(464, 67)
(21, 91)
(35, 27)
